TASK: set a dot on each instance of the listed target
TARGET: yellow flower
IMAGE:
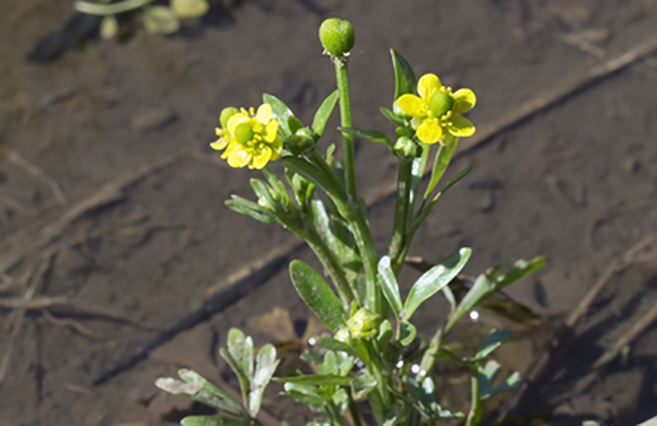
(438, 109)
(250, 138)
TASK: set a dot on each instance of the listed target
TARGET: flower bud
(337, 36)
(363, 324)
(226, 113)
(300, 142)
(405, 147)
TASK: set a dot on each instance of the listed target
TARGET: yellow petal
(239, 158)
(464, 101)
(412, 105)
(427, 85)
(270, 131)
(264, 113)
(430, 131)
(276, 148)
(261, 158)
(220, 144)
(460, 126)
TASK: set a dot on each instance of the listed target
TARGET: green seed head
(337, 36)
(226, 113)
(440, 103)
(244, 133)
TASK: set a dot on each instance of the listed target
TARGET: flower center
(244, 133)
(440, 103)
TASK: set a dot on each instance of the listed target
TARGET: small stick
(16, 158)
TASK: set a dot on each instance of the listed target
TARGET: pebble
(153, 119)
(631, 165)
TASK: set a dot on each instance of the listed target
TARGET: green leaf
(490, 282)
(281, 111)
(417, 173)
(369, 135)
(334, 345)
(510, 383)
(264, 192)
(277, 185)
(251, 209)
(294, 124)
(323, 113)
(384, 337)
(389, 285)
(317, 294)
(435, 279)
(213, 421)
(190, 8)
(363, 382)
(317, 380)
(396, 120)
(395, 415)
(450, 356)
(442, 160)
(266, 364)
(195, 387)
(160, 19)
(495, 339)
(405, 81)
(109, 27)
(316, 176)
(304, 394)
(330, 364)
(240, 358)
(407, 333)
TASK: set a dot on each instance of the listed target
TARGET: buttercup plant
(373, 351)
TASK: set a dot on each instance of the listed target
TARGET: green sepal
(405, 81)
(394, 118)
(317, 294)
(323, 113)
(432, 281)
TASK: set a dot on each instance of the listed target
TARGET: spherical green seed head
(226, 113)
(244, 133)
(337, 36)
(440, 103)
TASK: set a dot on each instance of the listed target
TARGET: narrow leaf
(317, 380)
(495, 339)
(389, 285)
(323, 113)
(317, 294)
(265, 366)
(442, 160)
(407, 333)
(405, 81)
(212, 421)
(363, 382)
(251, 209)
(316, 176)
(369, 135)
(334, 345)
(435, 279)
(512, 382)
(396, 120)
(450, 356)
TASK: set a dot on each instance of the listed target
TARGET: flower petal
(264, 113)
(464, 101)
(276, 148)
(220, 144)
(271, 131)
(430, 131)
(261, 158)
(239, 158)
(236, 120)
(460, 126)
(427, 85)
(412, 105)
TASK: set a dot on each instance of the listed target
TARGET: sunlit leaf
(405, 81)
(266, 364)
(494, 340)
(281, 111)
(317, 294)
(389, 285)
(407, 333)
(323, 113)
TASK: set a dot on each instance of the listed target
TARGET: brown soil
(574, 183)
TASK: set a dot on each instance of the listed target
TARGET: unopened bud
(363, 324)
(405, 147)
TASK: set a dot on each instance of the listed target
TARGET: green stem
(475, 410)
(437, 341)
(334, 414)
(361, 231)
(353, 410)
(332, 266)
(398, 240)
(342, 79)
